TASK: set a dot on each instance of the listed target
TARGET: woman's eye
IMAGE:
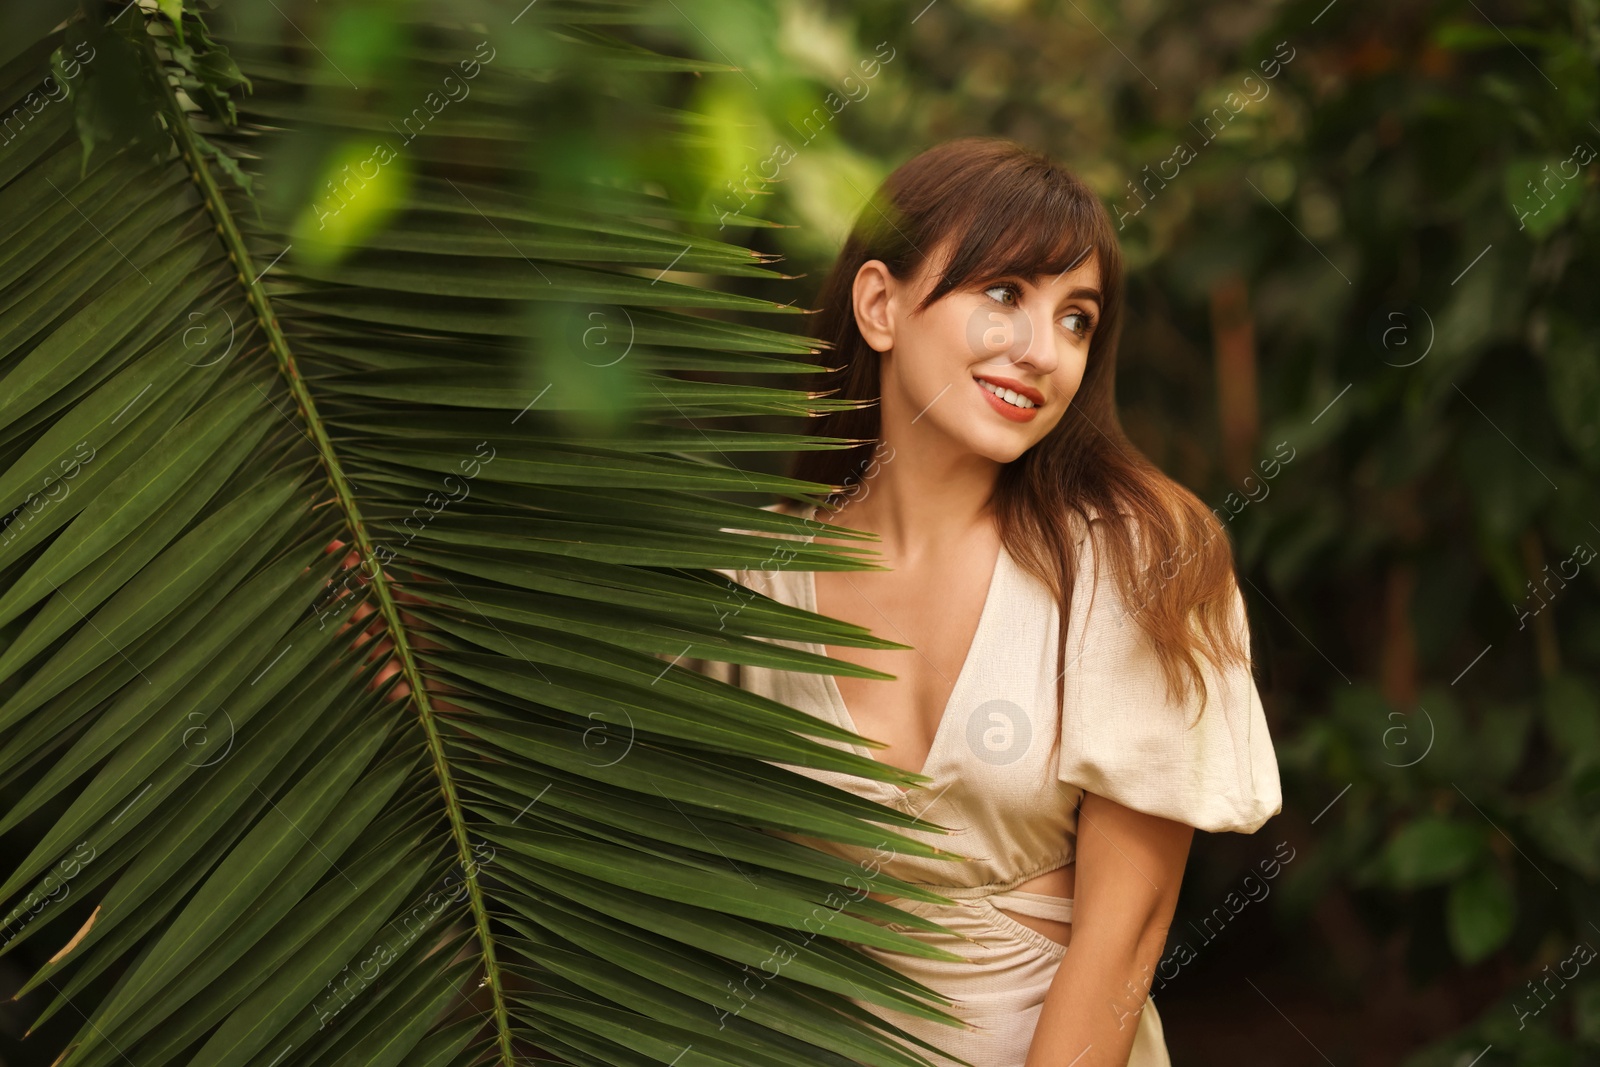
(1078, 323)
(989, 292)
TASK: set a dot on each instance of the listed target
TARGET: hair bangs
(1028, 228)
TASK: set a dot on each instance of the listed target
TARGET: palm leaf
(340, 701)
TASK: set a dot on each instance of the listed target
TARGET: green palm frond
(336, 722)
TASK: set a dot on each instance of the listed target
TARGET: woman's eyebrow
(1084, 293)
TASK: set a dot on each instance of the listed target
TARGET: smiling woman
(1072, 754)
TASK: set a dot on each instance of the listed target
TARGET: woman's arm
(1129, 869)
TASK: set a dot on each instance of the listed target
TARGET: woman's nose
(1032, 343)
(1012, 337)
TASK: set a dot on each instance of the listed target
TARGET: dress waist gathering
(1034, 905)
(1008, 897)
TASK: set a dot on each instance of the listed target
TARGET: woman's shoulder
(776, 582)
(782, 507)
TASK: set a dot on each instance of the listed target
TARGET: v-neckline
(1002, 559)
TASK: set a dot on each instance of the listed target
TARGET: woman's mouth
(1008, 402)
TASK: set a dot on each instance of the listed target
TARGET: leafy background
(1367, 341)
(1359, 333)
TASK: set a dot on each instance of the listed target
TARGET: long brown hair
(1012, 211)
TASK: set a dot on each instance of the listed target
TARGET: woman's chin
(998, 445)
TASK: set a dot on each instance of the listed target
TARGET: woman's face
(992, 367)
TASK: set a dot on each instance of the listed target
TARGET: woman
(978, 300)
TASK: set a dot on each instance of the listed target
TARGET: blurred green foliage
(1367, 234)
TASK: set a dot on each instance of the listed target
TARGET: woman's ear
(872, 295)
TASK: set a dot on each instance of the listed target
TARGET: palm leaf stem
(238, 255)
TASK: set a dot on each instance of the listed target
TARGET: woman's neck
(916, 512)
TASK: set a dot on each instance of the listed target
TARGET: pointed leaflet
(150, 417)
(263, 754)
(85, 591)
(164, 584)
(85, 338)
(250, 869)
(65, 703)
(393, 844)
(134, 497)
(97, 417)
(313, 849)
(147, 752)
(263, 1015)
(155, 723)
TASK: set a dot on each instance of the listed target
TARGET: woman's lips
(1010, 411)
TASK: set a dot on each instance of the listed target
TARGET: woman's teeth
(1014, 399)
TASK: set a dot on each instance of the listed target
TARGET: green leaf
(1572, 364)
(173, 10)
(1432, 849)
(1481, 912)
(1571, 707)
(1542, 194)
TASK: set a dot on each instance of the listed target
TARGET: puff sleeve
(1124, 739)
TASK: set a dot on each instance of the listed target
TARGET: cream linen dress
(1009, 774)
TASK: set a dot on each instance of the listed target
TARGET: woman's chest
(992, 758)
(944, 614)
